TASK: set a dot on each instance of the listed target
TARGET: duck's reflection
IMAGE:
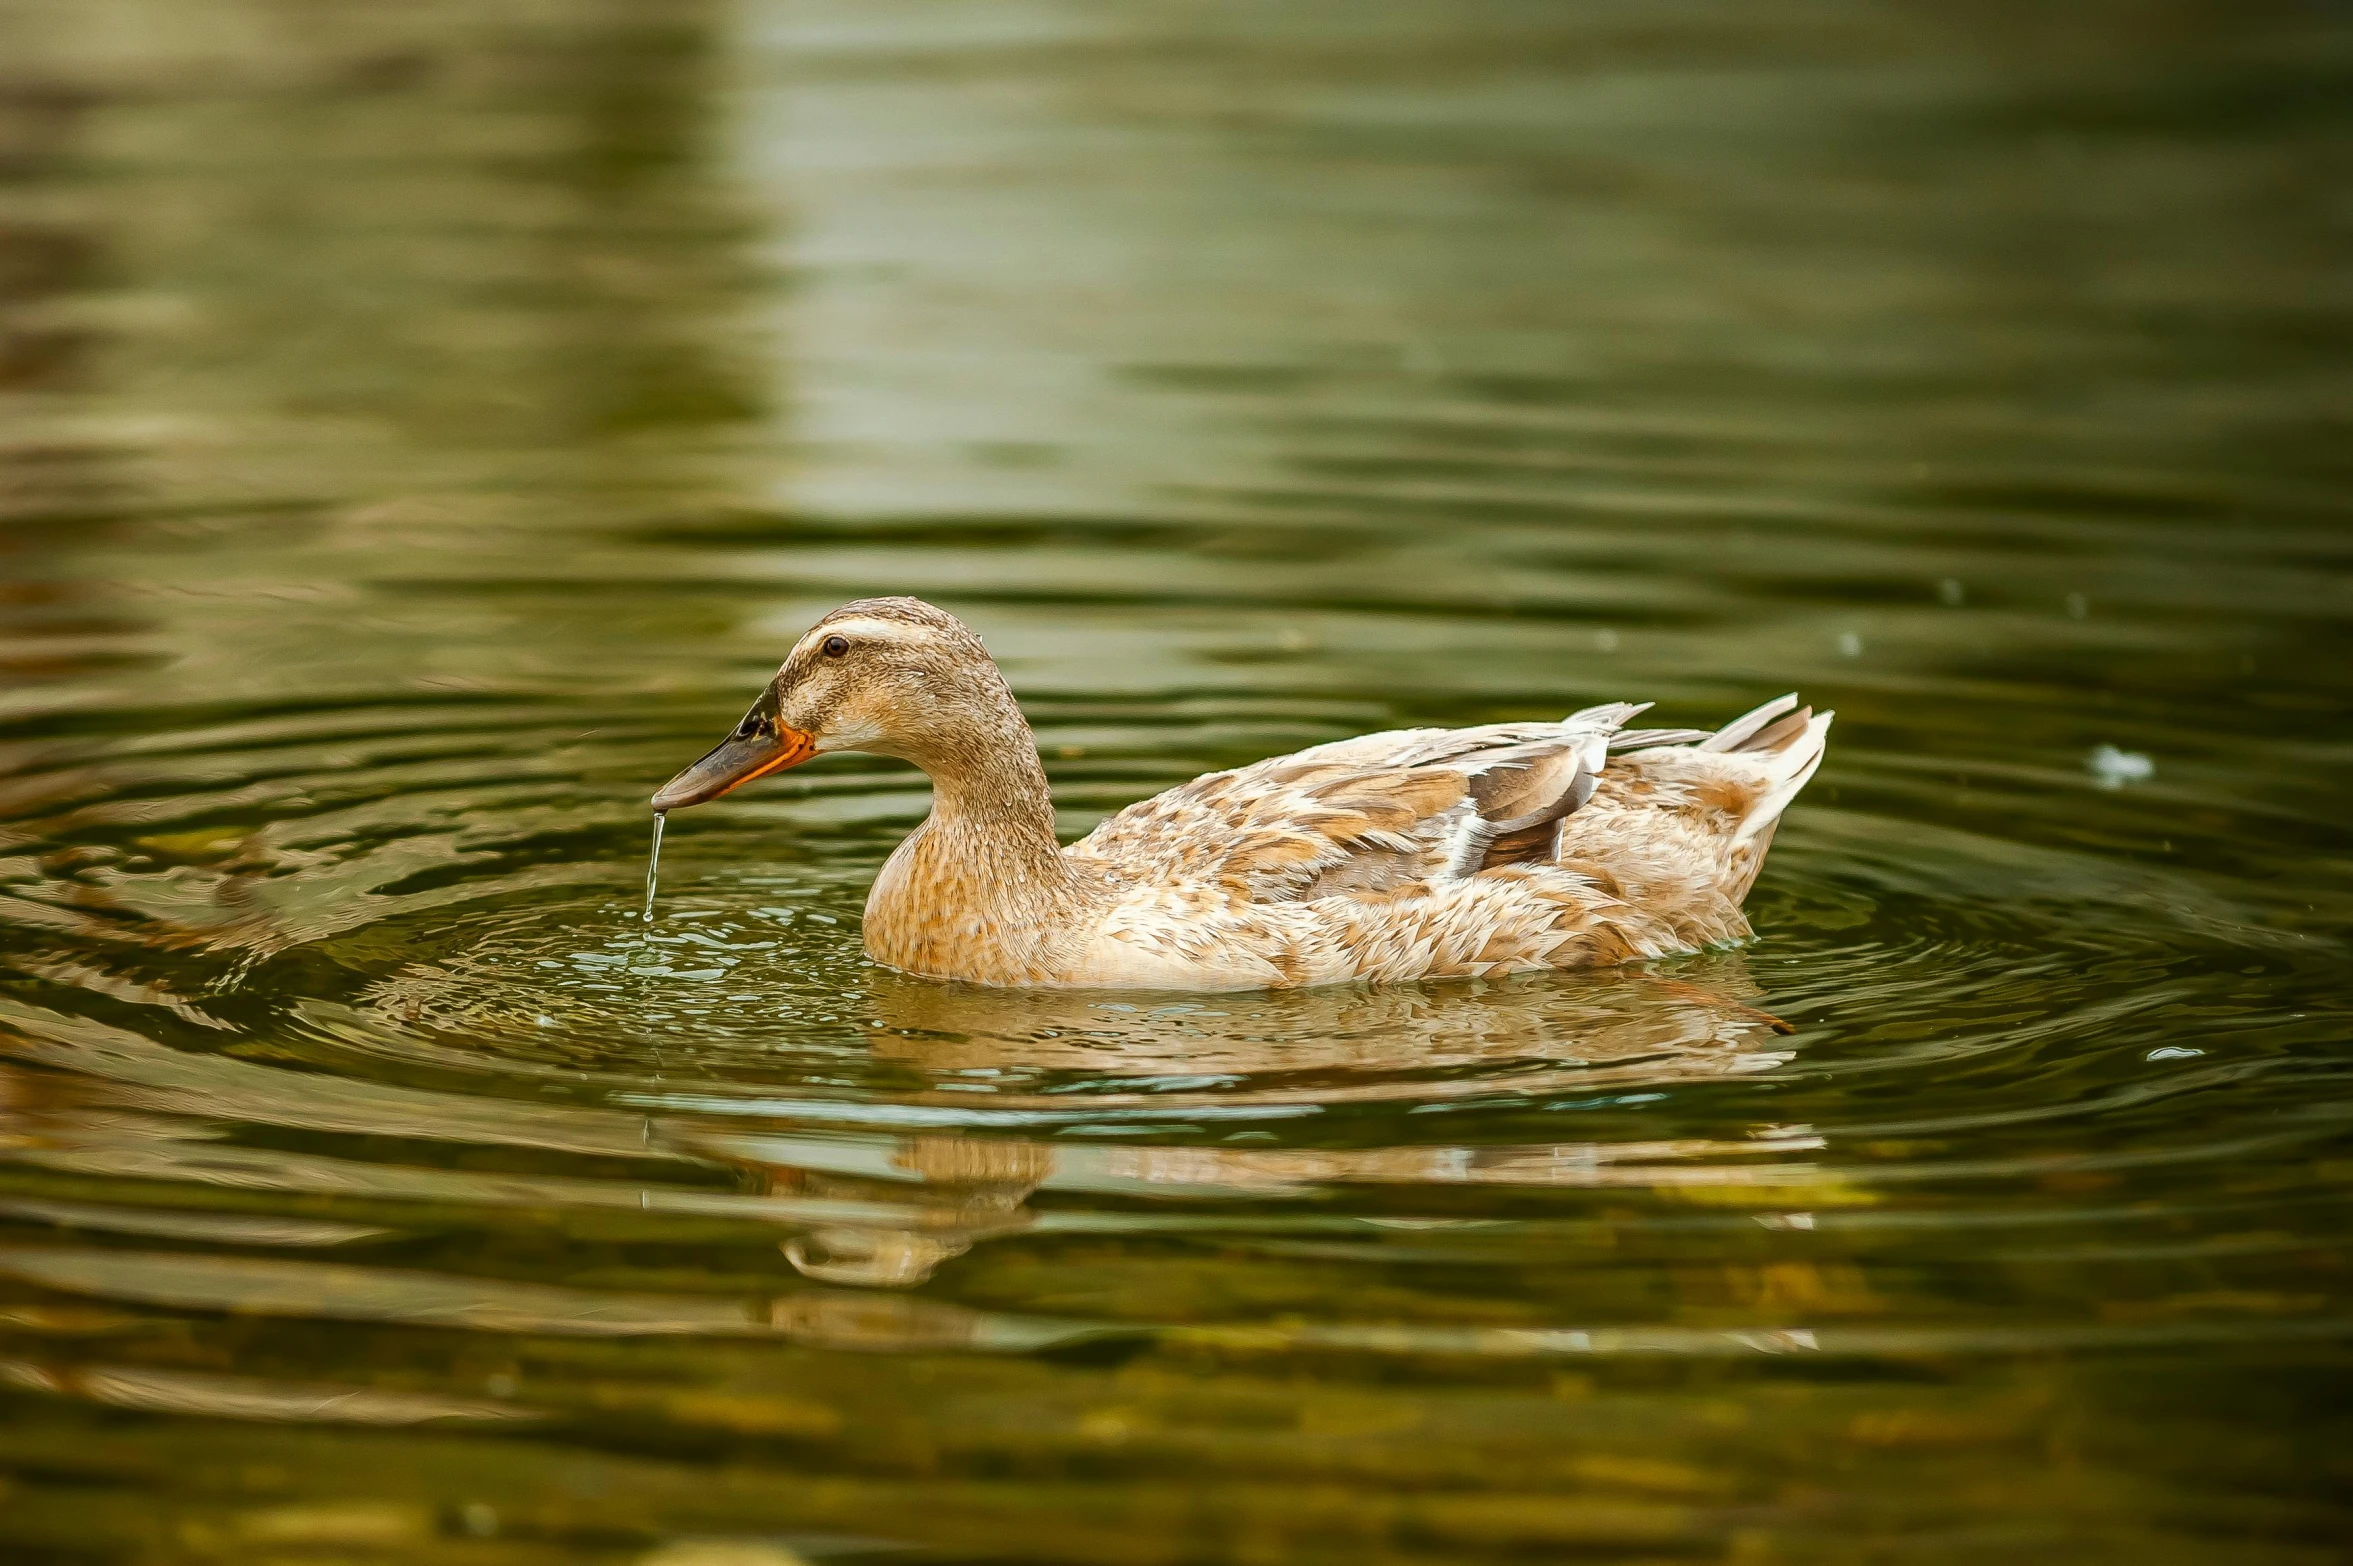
(1004, 1096)
(964, 1190)
(1343, 1042)
(1175, 1063)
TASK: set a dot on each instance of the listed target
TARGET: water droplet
(1850, 645)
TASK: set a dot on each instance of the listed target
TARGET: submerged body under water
(422, 428)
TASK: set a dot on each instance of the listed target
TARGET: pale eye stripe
(869, 630)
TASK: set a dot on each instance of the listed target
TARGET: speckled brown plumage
(1418, 853)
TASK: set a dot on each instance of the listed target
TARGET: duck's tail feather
(1748, 731)
(1787, 742)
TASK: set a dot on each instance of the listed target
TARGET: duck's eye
(835, 646)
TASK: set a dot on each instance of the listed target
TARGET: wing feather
(1369, 814)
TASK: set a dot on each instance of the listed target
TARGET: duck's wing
(1367, 814)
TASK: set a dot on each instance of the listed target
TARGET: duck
(1407, 855)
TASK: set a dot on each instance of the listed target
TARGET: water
(653, 864)
(423, 428)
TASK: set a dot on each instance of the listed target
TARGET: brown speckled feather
(1379, 857)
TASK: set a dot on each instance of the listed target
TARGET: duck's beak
(734, 762)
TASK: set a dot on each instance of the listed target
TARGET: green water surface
(423, 427)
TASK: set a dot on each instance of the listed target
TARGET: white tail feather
(1790, 764)
(1737, 734)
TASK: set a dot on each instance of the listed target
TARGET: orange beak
(753, 751)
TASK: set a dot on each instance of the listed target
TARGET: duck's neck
(982, 889)
(993, 810)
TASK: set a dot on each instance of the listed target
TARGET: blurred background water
(423, 427)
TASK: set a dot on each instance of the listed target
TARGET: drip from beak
(734, 762)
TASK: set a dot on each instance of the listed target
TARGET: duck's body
(1412, 854)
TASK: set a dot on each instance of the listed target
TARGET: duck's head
(890, 676)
